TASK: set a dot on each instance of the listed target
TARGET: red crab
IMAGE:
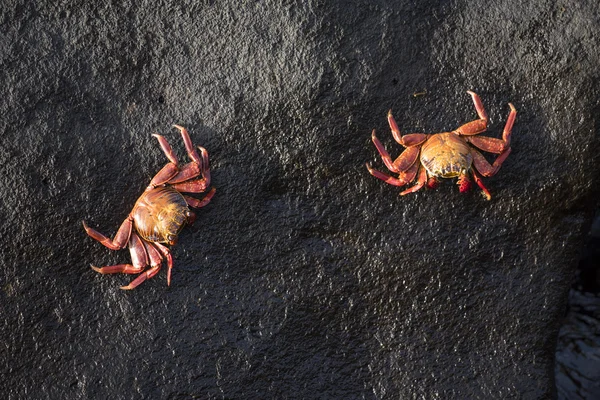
(447, 154)
(159, 214)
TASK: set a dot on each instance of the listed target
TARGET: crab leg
(479, 125)
(163, 176)
(155, 262)
(120, 239)
(187, 172)
(188, 145)
(484, 167)
(154, 255)
(478, 106)
(387, 160)
(192, 170)
(404, 161)
(139, 258)
(166, 148)
(166, 253)
(420, 182)
(194, 186)
(509, 124)
(205, 168)
(149, 273)
(494, 145)
(403, 179)
(406, 140)
(489, 144)
(407, 158)
(479, 182)
(197, 203)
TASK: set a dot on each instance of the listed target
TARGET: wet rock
(305, 276)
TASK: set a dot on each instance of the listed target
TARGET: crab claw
(432, 182)
(464, 184)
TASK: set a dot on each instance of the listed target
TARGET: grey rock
(305, 277)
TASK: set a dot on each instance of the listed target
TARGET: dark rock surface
(305, 277)
(578, 348)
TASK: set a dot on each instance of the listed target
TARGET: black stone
(305, 277)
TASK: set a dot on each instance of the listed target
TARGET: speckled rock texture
(305, 277)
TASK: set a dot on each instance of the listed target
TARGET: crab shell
(160, 214)
(446, 155)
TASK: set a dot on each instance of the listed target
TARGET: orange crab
(159, 214)
(447, 154)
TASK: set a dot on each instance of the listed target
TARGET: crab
(159, 214)
(446, 155)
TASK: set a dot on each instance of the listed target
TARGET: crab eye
(172, 239)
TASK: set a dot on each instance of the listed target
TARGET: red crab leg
(403, 179)
(387, 160)
(188, 144)
(484, 167)
(478, 105)
(494, 145)
(192, 170)
(489, 144)
(420, 182)
(166, 148)
(118, 269)
(509, 124)
(407, 158)
(163, 176)
(153, 254)
(120, 239)
(205, 167)
(479, 182)
(194, 186)
(150, 254)
(197, 203)
(139, 259)
(406, 140)
(478, 126)
(187, 172)
(404, 160)
(142, 277)
(155, 262)
(166, 253)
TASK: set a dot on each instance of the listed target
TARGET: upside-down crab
(159, 214)
(447, 154)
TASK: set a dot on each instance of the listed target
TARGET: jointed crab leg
(421, 180)
(163, 176)
(149, 273)
(411, 139)
(479, 125)
(509, 123)
(196, 203)
(166, 253)
(478, 106)
(479, 182)
(403, 179)
(120, 239)
(407, 158)
(166, 148)
(139, 259)
(494, 145)
(154, 255)
(188, 145)
(484, 167)
(187, 172)
(404, 160)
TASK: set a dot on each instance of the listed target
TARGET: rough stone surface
(305, 277)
